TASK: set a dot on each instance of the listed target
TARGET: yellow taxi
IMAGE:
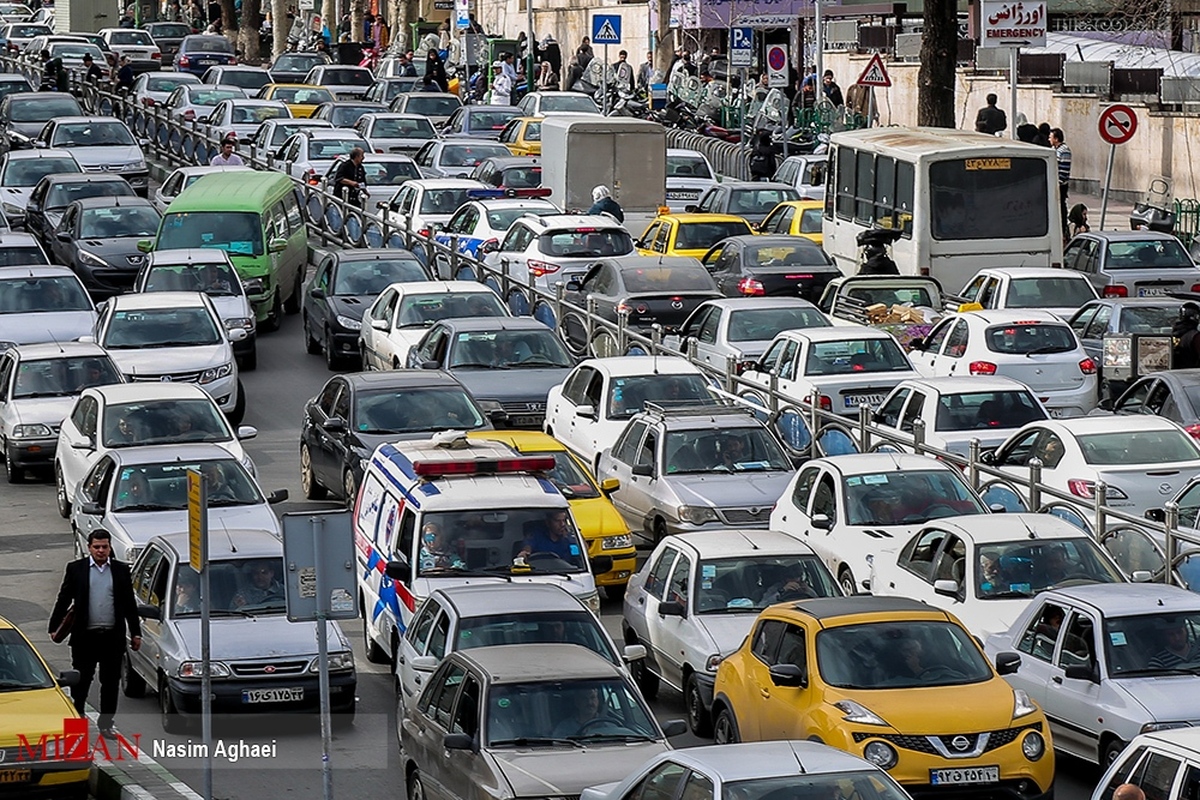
(897, 682)
(599, 521)
(523, 136)
(301, 98)
(796, 218)
(689, 234)
(36, 723)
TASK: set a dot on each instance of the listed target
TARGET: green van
(255, 217)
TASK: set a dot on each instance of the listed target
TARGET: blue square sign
(606, 29)
(741, 47)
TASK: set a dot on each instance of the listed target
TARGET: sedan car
(345, 113)
(689, 234)
(750, 201)
(523, 136)
(42, 304)
(250, 79)
(455, 158)
(385, 90)
(99, 144)
(24, 114)
(242, 117)
(437, 107)
(1120, 317)
(168, 35)
(384, 170)
(1132, 263)
(479, 225)
(806, 173)
(694, 600)
(20, 171)
(98, 238)
(180, 179)
(740, 329)
(510, 172)
(18, 249)
(1061, 292)
(395, 133)
(770, 265)
(689, 175)
(420, 205)
(293, 67)
(16, 35)
(301, 98)
(196, 102)
(152, 88)
(1172, 394)
(309, 153)
(479, 122)
(138, 46)
(53, 193)
(272, 133)
(344, 81)
(796, 218)
(539, 104)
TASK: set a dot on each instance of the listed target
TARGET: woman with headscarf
(547, 81)
(603, 203)
(434, 67)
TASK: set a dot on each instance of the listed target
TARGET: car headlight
(338, 662)
(488, 406)
(881, 754)
(1033, 746)
(195, 669)
(349, 323)
(713, 662)
(697, 515)
(216, 373)
(592, 601)
(1022, 705)
(856, 712)
(1164, 726)
(248, 463)
(255, 285)
(11, 211)
(622, 542)
(131, 554)
(134, 166)
(245, 323)
(31, 431)
(92, 259)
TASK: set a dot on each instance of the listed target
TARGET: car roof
(1184, 738)
(1033, 272)
(109, 201)
(838, 333)
(84, 177)
(493, 323)
(445, 183)
(513, 161)
(573, 221)
(187, 255)
(1138, 236)
(1129, 599)
(25, 155)
(693, 217)
(426, 287)
(1104, 424)
(207, 169)
(757, 185)
(145, 300)
(772, 239)
(824, 608)
(704, 416)
(232, 543)
(619, 366)
(522, 441)
(495, 203)
(750, 303)
(684, 151)
(147, 390)
(1011, 316)
(740, 542)
(372, 253)
(396, 378)
(1123, 302)
(480, 108)
(12, 238)
(965, 385)
(179, 453)
(864, 463)
(757, 760)
(524, 663)
(485, 600)
(319, 132)
(29, 352)
(81, 118)
(35, 270)
(989, 528)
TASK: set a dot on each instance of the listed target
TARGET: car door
(468, 773)
(340, 453)
(93, 490)
(646, 622)
(63, 250)
(412, 645)
(912, 573)
(428, 727)
(618, 463)
(764, 648)
(78, 443)
(1079, 324)
(708, 345)
(888, 415)
(324, 451)
(727, 269)
(670, 633)
(783, 707)
(1075, 702)
(316, 299)
(1038, 644)
(913, 411)
(151, 577)
(573, 423)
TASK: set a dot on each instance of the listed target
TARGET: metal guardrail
(727, 158)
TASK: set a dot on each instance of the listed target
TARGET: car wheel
(60, 494)
(249, 361)
(1112, 749)
(239, 408)
(172, 721)
(846, 581)
(660, 530)
(275, 316)
(12, 472)
(375, 653)
(646, 680)
(725, 728)
(349, 488)
(698, 717)
(308, 479)
(292, 304)
(132, 684)
(332, 360)
(415, 790)
(311, 345)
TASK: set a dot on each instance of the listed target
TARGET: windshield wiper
(229, 502)
(536, 740)
(1132, 673)
(224, 612)
(1007, 595)
(41, 394)
(148, 507)
(615, 737)
(475, 365)
(12, 686)
(178, 343)
(1041, 351)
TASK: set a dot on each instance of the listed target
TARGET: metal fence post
(864, 427)
(1035, 484)
(1170, 523)
(973, 448)
(453, 257)
(730, 372)
(622, 331)
(918, 436)
(1098, 502)
(589, 322)
(656, 337)
(408, 235)
(814, 408)
(560, 291)
(773, 393)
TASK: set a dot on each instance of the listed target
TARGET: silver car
(195, 102)
(99, 144)
(180, 179)
(739, 329)
(395, 133)
(42, 303)
(241, 117)
(689, 175)
(806, 173)
(138, 46)
(261, 662)
(20, 171)
(152, 88)
(1133, 263)
(308, 154)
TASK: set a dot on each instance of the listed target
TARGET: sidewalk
(127, 779)
(1118, 211)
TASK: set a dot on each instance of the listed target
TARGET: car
(71, 54)
(300, 98)
(750, 201)
(272, 133)
(1155, 760)
(689, 234)
(15, 35)
(1121, 317)
(293, 67)
(53, 193)
(403, 312)
(41, 303)
(240, 117)
(796, 218)
(197, 101)
(197, 53)
(846, 297)
(689, 175)
(181, 178)
(420, 205)
(250, 79)
(861, 673)
(479, 122)
(1134, 263)
(345, 113)
(99, 144)
(1171, 394)
(771, 264)
(385, 90)
(694, 600)
(539, 104)
(108, 418)
(272, 671)
(38, 386)
(167, 35)
(1061, 292)
(437, 107)
(1034, 347)
(343, 287)
(804, 172)
(156, 335)
(98, 238)
(395, 133)
(740, 329)
(344, 81)
(308, 153)
(152, 88)
(15, 12)
(465, 617)
(543, 250)
(986, 568)
(12, 84)
(509, 172)
(20, 171)
(519, 702)
(509, 361)
(136, 45)
(848, 507)
(479, 225)
(455, 158)
(210, 271)
(385, 170)
(523, 136)
(839, 368)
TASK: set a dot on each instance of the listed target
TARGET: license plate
(964, 775)
(1152, 291)
(272, 695)
(682, 195)
(856, 400)
(526, 421)
(15, 775)
(205, 62)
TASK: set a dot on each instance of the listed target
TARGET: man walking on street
(227, 157)
(1063, 154)
(646, 72)
(351, 175)
(990, 119)
(100, 591)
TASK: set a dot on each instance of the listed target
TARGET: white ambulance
(448, 511)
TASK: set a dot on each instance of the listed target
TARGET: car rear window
(1049, 292)
(703, 235)
(1147, 254)
(667, 279)
(347, 77)
(207, 44)
(981, 410)
(586, 243)
(1029, 338)
(1148, 319)
(1140, 447)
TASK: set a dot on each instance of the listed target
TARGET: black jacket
(74, 589)
(348, 170)
(990, 120)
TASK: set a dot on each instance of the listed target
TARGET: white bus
(964, 201)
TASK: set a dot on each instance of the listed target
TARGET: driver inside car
(553, 537)
(588, 710)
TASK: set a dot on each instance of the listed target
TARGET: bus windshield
(989, 198)
(237, 232)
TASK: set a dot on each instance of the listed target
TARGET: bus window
(988, 198)
(865, 183)
(885, 180)
(845, 182)
(905, 178)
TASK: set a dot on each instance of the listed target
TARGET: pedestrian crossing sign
(875, 74)
(606, 29)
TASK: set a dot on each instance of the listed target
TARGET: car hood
(115, 249)
(39, 711)
(353, 306)
(1165, 697)
(546, 771)
(157, 360)
(43, 410)
(262, 636)
(726, 631)
(53, 217)
(140, 527)
(17, 195)
(59, 326)
(596, 516)
(230, 306)
(985, 706)
(512, 384)
(27, 129)
(733, 489)
(106, 156)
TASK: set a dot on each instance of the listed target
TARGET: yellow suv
(689, 234)
(900, 683)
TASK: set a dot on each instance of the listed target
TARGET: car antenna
(749, 541)
(50, 333)
(232, 546)
(1032, 534)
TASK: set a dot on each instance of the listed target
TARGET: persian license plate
(683, 195)
(526, 420)
(856, 400)
(206, 62)
(15, 775)
(272, 695)
(964, 775)
(1152, 291)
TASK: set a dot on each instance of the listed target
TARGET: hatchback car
(740, 329)
(1133, 263)
(196, 54)
(437, 107)
(420, 205)
(797, 218)
(1172, 394)
(770, 265)
(1061, 292)
(1121, 317)
(689, 234)
(510, 172)
(523, 136)
(482, 122)
(344, 82)
(99, 144)
(98, 238)
(138, 46)
(250, 79)
(455, 158)
(750, 201)
(543, 250)
(395, 133)
(54, 193)
(168, 35)
(42, 304)
(478, 226)
(384, 170)
(806, 173)
(272, 133)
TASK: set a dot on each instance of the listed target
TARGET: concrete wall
(568, 21)
(1166, 144)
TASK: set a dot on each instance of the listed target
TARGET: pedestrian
(645, 75)
(1186, 337)
(435, 67)
(1027, 132)
(833, 92)
(573, 74)
(547, 81)
(473, 25)
(124, 74)
(584, 51)
(91, 73)
(1077, 217)
(1128, 791)
(510, 69)
(1043, 135)
(126, 20)
(502, 86)
(624, 71)
(603, 203)
(808, 88)
(991, 119)
(227, 157)
(762, 157)
(1063, 154)
(99, 590)
(352, 175)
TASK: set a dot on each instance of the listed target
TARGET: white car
(180, 179)
(481, 224)
(957, 410)
(196, 102)
(984, 569)
(1143, 460)
(1107, 663)
(395, 133)
(847, 508)
(420, 205)
(1060, 291)
(840, 367)
(539, 104)
(741, 328)
(20, 171)
(590, 408)
(272, 133)
(698, 595)
(806, 173)
(543, 251)
(1170, 751)
(136, 45)
(1034, 347)
(345, 82)
(308, 154)
(152, 88)
(241, 117)
(174, 337)
(689, 175)
(385, 171)
(403, 313)
(41, 303)
(99, 144)
(165, 415)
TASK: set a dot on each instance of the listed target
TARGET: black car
(750, 201)
(772, 265)
(13, 84)
(168, 35)
(1174, 394)
(507, 363)
(510, 172)
(353, 414)
(342, 289)
(293, 67)
(98, 239)
(53, 193)
(23, 115)
(344, 113)
(1121, 316)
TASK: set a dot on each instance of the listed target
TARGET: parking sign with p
(741, 47)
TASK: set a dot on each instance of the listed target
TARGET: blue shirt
(566, 548)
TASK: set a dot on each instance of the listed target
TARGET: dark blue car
(198, 53)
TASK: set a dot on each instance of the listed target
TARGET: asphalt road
(35, 544)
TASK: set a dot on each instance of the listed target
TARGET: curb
(144, 779)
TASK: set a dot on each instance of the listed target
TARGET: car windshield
(517, 349)
(687, 166)
(899, 655)
(8, 87)
(784, 256)
(749, 449)
(567, 102)
(1147, 254)
(28, 171)
(501, 219)
(295, 62)
(1049, 292)
(63, 377)
(1147, 319)
(1153, 644)
(402, 128)
(215, 278)
(163, 487)
(390, 173)
(758, 201)
(849, 356)
(627, 396)
(346, 116)
(42, 295)
(75, 51)
(168, 30)
(61, 195)
(130, 37)
(332, 148)
(27, 31)
(1030, 338)
(492, 540)
(981, 410)
(245, 78)
(762, 324)
(703, 235)
(443, 201)
(432, 106)
(164, 422)
(23, 256)
(281, 130)
(347, 77)
(874, 785)
(210, 97)
(370, 277)
(1023, 568)
(482, 119)
(247, 114)
(238, 587)
(539, 627)
(586, 243)
(302, 95)
(549, 713)
(751, 583)
(380, 411)
(1138, 447)
(43, 108)
(891, 295)
(907, 498)
(569, 476)
(422, 310)
(161, 327)
(22, 669)
(239, 233)
(169, 83)
(642, 280)
(207, 44)
(469, 155)
(118, 221)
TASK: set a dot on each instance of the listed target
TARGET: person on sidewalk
(1077, 217)
(833, 92)
(502, 86)
(1063, 154)
(990, 119)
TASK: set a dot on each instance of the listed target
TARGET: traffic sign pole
(1118, 123)
(1014, 57)
(604, 80)
(1112, 154)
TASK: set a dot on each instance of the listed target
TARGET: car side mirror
(92, 509)
(68, 677)
(692, 208)
(574, 286)
(82, 444)
(317, 294)
(490, 246)
(610, 485)
(674, 727)
(1107, 404)
(946, 588)
(1008, 663)
(425, 663)
(1083, 672)
(277, 496)
(245, 432)
(988, 457)
(587, 412)
(430, 365)
(277, 245)
(379, 324)
(63, 236)
(334, 425)
(601, 564)
(671, 609)
(788, 675)
(1141, 576)
(643, 470)
(398, 570)
(917, 344)
(149, 612)
(997, 508)
(237, 334)
(822, 522)
(458, 741)
(634, 652)
(145, 245)
(1156, 514)
(498, 416)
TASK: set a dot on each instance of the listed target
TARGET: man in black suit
(101, 590)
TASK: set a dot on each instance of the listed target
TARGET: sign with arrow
(875, 74)
(606, 29)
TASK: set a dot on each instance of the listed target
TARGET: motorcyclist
(875, 258)
(1186, 332)
(353, 176)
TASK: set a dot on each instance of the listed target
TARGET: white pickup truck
(906, 306)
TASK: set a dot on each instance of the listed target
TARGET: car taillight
(1193, 431)
(1087, 366)
(311, 178)
(623, 308)
(982, 368)
(424, 232)
(184, 62)
(378, 150)
(148, 101)
(156, 55)
(1115, 291)
(1196, 287)
(539, 268)
(1082, 488)
(824, 402)
(750, 286)
(189, 114)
